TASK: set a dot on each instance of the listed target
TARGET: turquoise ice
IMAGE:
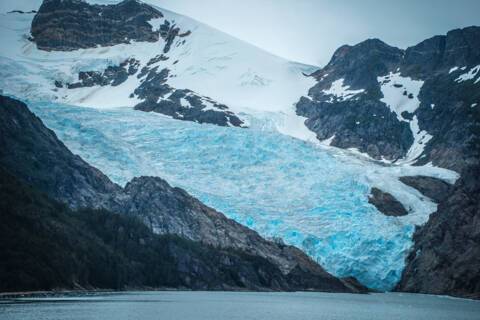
(280, 186)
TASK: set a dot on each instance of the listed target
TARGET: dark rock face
(361, 121)
(157, 95)
(386, 203)
(451, 122)
(446, 256)
(435, 189)
(34, 154)
(184, 104)
(361, 64)
(363, 124)
(170, 210)
(457, 48)
(169, 31)
(74, 24)
(355, 284)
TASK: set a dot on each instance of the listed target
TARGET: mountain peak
(55, 26)
(370, 48)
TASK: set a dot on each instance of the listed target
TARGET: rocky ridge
(383, 101)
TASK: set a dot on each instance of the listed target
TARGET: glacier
(311, 196)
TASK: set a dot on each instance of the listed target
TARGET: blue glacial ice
(313, 198)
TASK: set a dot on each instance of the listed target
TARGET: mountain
(409, 112)
(34, 155)
(160, 62)
(415, 106)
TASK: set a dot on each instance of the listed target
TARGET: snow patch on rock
(400, 94)
(471, 74)
(341, 92)
(452, 70)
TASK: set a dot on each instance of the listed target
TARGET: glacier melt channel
(313, 198)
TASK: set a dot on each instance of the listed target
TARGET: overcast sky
(310, 30)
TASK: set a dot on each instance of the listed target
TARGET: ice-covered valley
(311, 196)
(308, 194)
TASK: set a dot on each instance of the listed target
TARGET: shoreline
(96, 292)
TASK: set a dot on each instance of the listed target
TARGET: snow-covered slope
(207, 61)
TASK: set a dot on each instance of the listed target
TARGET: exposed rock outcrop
(156, 94)
(435, 189)
(75, 24)
(348, 103)
(46, 246)
(113, 75)
(181, 104)
(35, 155)
(420, 104)
(345, 102)
(386, 203)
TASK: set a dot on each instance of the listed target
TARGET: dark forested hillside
(44, 245)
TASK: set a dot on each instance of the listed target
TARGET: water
(242, 306)
(280, 186)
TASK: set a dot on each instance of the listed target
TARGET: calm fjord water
(242, 306)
